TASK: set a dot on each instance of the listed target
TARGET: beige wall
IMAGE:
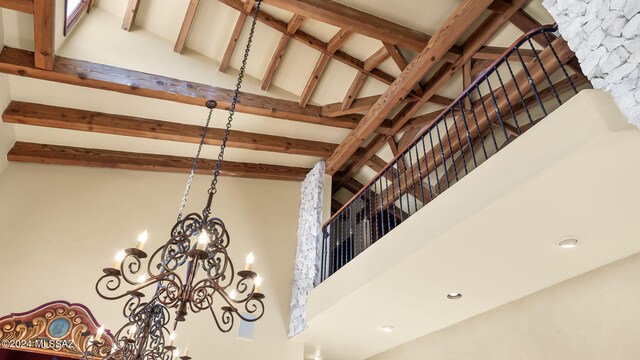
(7, 133)
(592, 317)
(59, 226)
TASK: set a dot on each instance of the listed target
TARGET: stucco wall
(59, 226)
(592, 317)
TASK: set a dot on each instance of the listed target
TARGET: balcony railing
(514, 93)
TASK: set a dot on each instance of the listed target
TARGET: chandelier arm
(225, 323)
(232, 110)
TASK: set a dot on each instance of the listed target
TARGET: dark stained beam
(68, 155)
(82, 120)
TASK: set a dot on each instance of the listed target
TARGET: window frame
(71, 20)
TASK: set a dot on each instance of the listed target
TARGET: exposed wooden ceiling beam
(358, 105)
(332, 46)
(445, 38)
(68, 155)
(491, 25)
(130, 14)
(354, 89)
(186, 25)
(25, 6)
(345, 17)
(316, 74)
(375, 59)
(376, 163)
(338, 39)
(495, 52)
(313, 42)
(44, 33)
(105, 77)
(233, 41)
(294, 24)
(82, 120)
(400, 61)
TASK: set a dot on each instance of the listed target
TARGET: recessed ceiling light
(454, 295)
(568, 243)
(387, 328)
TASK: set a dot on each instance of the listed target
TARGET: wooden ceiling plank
(233, 41)
(104, 77)
(312, 83)
(360, 22)
(313, 42)
(83, 120)
(76, 156)
(186, 25)
(130, 14)
(467, 12)
(44, 33)
(25, 6)
(354, 89)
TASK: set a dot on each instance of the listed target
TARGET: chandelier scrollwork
(191, 273)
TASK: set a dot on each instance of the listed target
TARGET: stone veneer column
(605, 35)
(307, 253)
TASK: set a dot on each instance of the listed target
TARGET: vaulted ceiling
(128, 84)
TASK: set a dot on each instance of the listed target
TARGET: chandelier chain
(194, 166)
(232, 109)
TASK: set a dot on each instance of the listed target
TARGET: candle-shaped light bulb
(133, 331)
(99, 333)
(186, 351)
(172, 338)
(249, 263)
(203, 239)
(176, 352)
(142, 278)
(118, 259)
(142, 239)
(232, 294)
(258, 282)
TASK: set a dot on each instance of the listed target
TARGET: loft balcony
(505, 173)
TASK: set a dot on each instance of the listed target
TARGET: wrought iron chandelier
(190, 273)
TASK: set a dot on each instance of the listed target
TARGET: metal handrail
(382, 203)
(522, 39)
